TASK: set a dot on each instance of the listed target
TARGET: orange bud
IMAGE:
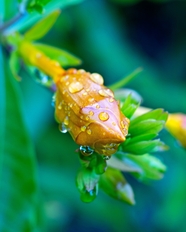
(89, 111)
(176, 124)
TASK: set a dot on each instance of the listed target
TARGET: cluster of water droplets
(86, 150)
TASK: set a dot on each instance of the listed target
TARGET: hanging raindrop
(43, 79)
(106, 157)
(63, 128)
(86, 150)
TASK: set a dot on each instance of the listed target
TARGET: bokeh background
(113, 38)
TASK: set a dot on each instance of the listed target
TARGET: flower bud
(89, 111)
(176, 124)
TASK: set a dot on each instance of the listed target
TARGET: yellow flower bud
(176, 124)
(88, 110)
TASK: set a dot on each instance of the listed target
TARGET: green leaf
(151, 126)
(19, 205)
(142, 147)
(126, 79)
(30, 19)
(115, 185)
(37, 5)
(42, 27)
(150, 166)
(157, 114)
(87, 184)
(129, 107)
(63, 57)
(15, 65)
(143, 137)
(124, 167)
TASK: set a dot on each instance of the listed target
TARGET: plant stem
(126, 79)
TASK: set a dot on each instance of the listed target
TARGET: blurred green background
(113, 37)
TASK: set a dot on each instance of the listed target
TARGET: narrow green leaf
(42, 27)
(19, 205)
(87, 184)
(126, 79)
(142, 147)
(150, 166)
(14, 65)
(115, 185)
(64, 58)
(151, 126)
(157, 114)
(122, 166)
(138, 138)
(129, 106)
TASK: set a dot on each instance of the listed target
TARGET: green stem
(126, 79)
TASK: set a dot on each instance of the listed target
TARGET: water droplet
(91, 99)
(97, 106)
(42, 78)
(86, 150)
(91, 113)
(64, 78)
(63, 128)
(66, 121)
(53, 100)
(85, 93)
(59, 106)
(97, 78)
(103, 116)
(75, 87)
(81, 71)
(83, 128)
(106, 93)
(89, 131)
(38, 55)
(111, 99)
(87, 118)
(106, 157)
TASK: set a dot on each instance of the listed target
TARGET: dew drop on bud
(97, 78)
(106, 93)
(63, 128)
(75, 87)
(103, 116)
(86, 150)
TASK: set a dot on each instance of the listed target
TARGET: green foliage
(15, 65)
(129, 106)
(63, 57)
(115, 185)
(42, 27)
(37, 5)
(87, 183)
(19, 205)
(147, 166)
